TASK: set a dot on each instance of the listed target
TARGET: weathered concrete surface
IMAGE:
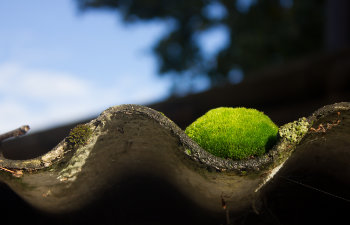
(313, 185)
(131, 140)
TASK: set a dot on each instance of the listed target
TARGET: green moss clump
(78, 136)
(236, 133)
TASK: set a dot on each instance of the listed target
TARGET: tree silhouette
(260, 32)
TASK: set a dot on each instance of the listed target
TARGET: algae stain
(75, 165)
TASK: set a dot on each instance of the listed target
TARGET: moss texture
(236, 133)
(78, 136)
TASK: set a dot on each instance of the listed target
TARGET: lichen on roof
(294, 131)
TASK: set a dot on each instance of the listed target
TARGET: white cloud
(44, 98)
(40, 84)
(45, 85)
(35, 97)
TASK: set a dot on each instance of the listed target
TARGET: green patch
(188, 152)
(78, 136)
(294, 131)
(236, 133)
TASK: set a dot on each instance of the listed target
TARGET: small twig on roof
(15, 173)
(15, 133)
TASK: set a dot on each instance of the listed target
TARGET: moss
(188, 152)
(78, 136)
(294, 131)
(236, 133)
(81, 135)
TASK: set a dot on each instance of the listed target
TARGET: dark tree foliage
(269, 31)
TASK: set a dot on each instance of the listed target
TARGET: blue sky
(58, 65)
